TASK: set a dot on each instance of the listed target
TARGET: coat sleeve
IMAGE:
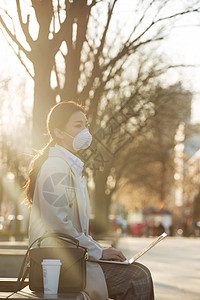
(56, 201)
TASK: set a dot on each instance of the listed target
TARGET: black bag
(73, 268)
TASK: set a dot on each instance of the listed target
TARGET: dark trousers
(128, 282)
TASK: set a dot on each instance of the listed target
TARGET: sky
(184, 48)
(181, 47)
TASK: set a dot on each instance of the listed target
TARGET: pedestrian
(160, 228)
(59, 202)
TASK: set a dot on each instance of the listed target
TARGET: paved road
(174, 264)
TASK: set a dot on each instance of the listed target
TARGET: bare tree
(150, 163)
(82, 51)
(64, 30)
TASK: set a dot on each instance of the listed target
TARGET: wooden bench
(14, 244)
(10, 262)
(7, 286)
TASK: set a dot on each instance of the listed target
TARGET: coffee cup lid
(51, 262)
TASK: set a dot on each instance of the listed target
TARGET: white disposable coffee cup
(51, 274)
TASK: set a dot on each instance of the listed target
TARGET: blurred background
(134, 65)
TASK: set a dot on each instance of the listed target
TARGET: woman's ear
(58, 133)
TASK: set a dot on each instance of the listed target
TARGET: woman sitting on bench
(58, 195)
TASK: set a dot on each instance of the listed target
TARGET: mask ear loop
(69, 135)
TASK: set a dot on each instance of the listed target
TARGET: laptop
(138, 255)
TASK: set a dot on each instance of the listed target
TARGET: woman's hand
(113, 254)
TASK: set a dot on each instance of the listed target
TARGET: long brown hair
(57, 118)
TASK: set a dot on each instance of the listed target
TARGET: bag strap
(22, 275)
(61, 236)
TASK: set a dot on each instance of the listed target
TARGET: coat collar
(73, 161)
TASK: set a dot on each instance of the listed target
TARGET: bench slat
(9, 284)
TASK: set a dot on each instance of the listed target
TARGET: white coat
(61, 204)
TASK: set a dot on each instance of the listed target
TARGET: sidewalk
(174, 265)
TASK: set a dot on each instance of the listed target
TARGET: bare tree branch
(61, 35)
(140, 20)
(161, 20)
(158, 72)
(58, 12)
(56, 73)
(17, 53)
(14, 38)
(24, 26)
(94, 2)
(87, 88)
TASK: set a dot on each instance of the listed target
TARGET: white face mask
(82, 140)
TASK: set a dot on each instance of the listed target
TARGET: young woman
(58, 195)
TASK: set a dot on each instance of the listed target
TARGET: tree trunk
(1, 190)
(101, 209)
(78, 15)
(44, 99)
